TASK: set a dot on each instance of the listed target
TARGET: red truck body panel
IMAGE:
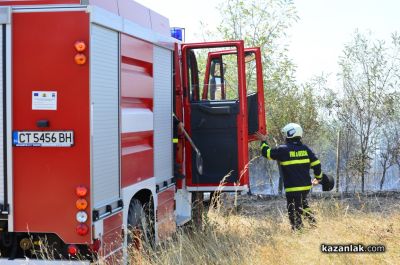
(45, 178)
(112, 238)
(136, 95)
(165, 213)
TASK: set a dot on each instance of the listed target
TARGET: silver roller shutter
(162, 67)
(104, 80)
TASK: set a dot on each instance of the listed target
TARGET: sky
(315, 42)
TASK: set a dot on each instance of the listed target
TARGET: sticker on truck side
(43, 138)
(44, 100)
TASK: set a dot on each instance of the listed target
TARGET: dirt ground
(262, 205)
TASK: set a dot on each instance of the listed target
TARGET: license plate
(43, 138)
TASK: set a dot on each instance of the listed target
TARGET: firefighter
(295, 160)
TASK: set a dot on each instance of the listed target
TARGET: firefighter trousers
(297, 206)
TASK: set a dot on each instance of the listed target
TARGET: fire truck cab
(87, 93)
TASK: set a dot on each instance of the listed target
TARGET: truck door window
(216, 85)
(229, 77)
(251, 74)
(252, 96)
(193, 72)
(213, 79)
(255, 92)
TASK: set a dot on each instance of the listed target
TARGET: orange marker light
(80, 58)
(81, 204)
(81, 191)
(80, 46)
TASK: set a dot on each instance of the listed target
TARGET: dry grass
(259, 233)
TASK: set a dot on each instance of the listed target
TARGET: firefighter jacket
(295, 159)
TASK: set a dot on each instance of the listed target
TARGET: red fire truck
(88, 90)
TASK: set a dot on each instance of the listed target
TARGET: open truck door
(214, 86)
(217, 114)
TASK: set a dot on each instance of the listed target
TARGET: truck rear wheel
(139, 224)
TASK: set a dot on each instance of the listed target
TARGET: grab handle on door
(216, 110)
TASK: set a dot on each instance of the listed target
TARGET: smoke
(264, 179)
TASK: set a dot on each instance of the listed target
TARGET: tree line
(355, 129)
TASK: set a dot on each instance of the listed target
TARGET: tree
(347, 154)
(387, 152)
(264, 24)
(368, 73)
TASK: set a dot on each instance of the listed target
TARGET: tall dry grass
(258, 232)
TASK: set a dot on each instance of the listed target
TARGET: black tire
(140, 228)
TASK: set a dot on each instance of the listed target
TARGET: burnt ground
(268, 205)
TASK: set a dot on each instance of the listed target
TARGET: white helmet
(292, 130)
